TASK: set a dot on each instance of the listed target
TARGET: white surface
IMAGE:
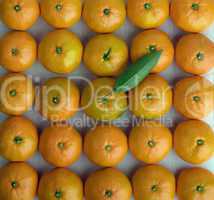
(173, 74)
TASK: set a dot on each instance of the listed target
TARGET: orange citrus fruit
(106, 145)
(153, 182)
(195, 54)
(109, 184)
(19, 139)
(192, 15)
(106, 55)
(18, 51)
(61, 13)
(104, 16)
(150, 142)
(60, 51)
(151, 40)
(18, 182)
(195, 184)
(60, 184)
(101, 102)
(148, 14)
(19, 14)
(17, 94)
(152, 98)
(194, 97)
(194, 141)
(60, 99)
(61, 146)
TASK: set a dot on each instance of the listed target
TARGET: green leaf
(137, 72)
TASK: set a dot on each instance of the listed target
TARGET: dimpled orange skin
(61, 146)
(194, 141)
(159, 40)
(108, 183)
(153, 182)
(18, 51)
(61, 13)
(106, 146)
(150, 142)
(195, 54)
(152, 98)
(106, 55)
(195, 184)
(62, 182)
(100, 102)
(60, 51)
(148, 14)
(95, 17)
(25, 178)
(19, 139)
(192, 15)
(194, 97)
(17, 94)
(67, 103)
(19, 14)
